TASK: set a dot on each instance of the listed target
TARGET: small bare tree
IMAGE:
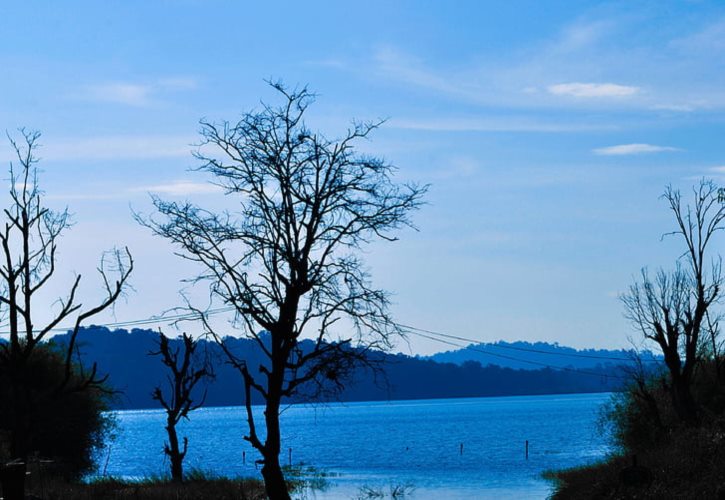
(186, 371)
(286, 260)
(674, 309)
(29, 236)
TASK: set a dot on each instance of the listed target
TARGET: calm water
(383, 444)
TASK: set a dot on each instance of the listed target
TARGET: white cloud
(135, 94)
(497, 124)
(577, 89)
(718, 170)
(632, 149)
(180, 188)
(679, 108)
(120, 93)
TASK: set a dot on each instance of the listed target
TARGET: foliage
(674, 310)
(684, 460)
(43, 390)
(670, 424)
(68, 427)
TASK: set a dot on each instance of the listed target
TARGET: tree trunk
(175, 455)
(21, 421)
(274, 482)
(683, 401)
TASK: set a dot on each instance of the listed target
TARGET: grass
(305, 476)
(395, 491)
(199, 484)
(690, 464)
(150, 489)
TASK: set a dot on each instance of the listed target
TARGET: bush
(66, 426)
(680, 460)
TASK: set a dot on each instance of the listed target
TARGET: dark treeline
(124, 356)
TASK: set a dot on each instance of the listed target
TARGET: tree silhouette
(674, 309)
(29, 236)
(287, 258)
(185, 373)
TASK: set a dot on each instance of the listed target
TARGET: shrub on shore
(657, 456)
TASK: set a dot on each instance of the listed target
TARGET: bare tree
(186, 373)
(29, 237)
(286, 260)
(674, 309)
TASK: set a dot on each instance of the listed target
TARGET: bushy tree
(68, 427)
(42, 385)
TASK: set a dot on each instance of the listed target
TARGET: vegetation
(66, 427)
(196, 487)
(406, 377)
(394, 491)
(669, 425)
(659, 456)
(52, 403)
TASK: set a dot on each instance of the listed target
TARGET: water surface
(384, 444)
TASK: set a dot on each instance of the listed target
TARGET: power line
(553, 367)
(429, 334)
(153, 320)
(525, 349)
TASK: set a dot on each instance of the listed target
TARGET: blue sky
(547, 131)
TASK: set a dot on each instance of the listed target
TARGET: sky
(546, 130)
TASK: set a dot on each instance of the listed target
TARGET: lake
(381, 445)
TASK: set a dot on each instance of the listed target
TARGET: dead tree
(673, 309)
(186, 373)
(29, 235)
(287, 258)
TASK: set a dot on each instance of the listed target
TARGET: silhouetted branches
(28, 261)
(285, 259)
(187, 370)
(674, 309)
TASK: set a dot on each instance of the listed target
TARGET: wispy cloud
(134, 93)
(708, 40)
(718, 169)
(120, 93)
(679, 108)
(111, 147)
(632, 149)
(399, 66)
(495, 124)
(118, 147)
(578, 89)
(180, 188)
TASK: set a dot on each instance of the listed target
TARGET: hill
(124, 356)
(531, 356)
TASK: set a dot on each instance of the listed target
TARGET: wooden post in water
(527, 449)
(461, 448)
(244, 458)
(290, 457)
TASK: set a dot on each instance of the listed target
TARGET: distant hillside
(124, 356)
(528, 356)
